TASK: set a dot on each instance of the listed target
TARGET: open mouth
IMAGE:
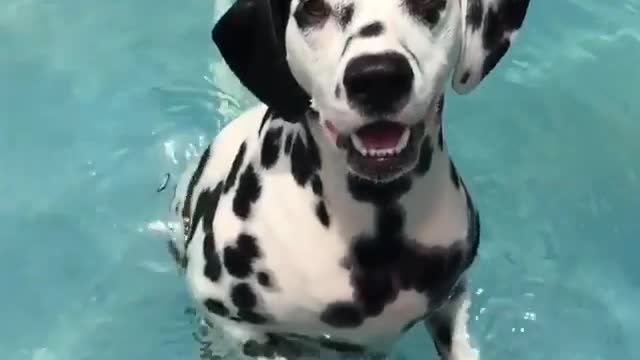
(381, 141)
(384, 150)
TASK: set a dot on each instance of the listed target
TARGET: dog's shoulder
(237, 138)
(251, 201)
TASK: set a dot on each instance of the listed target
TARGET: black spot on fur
(435, 271)
(238, 259)
(343, 142)
(371, 30)
(426, 156)
(216, 307)
(342, 315)
(322, 214)
(377, 193)
(243, 296)
(428, 12)
(271, 147)
(508, 17)
(248, 192)
(494, 57)
(254, 349)
(432, 271)
(441, 328)
(385, 262)
(346, 46)
(465, 77)
(375, 291)
(345, 15)
(440, 111)
(316, 185)
(474, 16)
(213, 266)
(454, 175)
(346, 263)
(275, 346)
(211, 206)
(287, 144)
(264, 279)
(300, 168)
(251, 317)
(312, 115)
(498, 23)
(205, 210)
(197, 174)
(341, 346)
(440, 106)
(270, 349)
(305, 159)
(235, 167)
(267, 115)
(371, 252)
(375, 258)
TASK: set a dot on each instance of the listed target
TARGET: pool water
(100, 99)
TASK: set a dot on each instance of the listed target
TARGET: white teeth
(358, 144)
(404, 140)
(402, 143)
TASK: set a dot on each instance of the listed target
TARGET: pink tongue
(380, 135)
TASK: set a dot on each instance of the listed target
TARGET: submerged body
(280, 243)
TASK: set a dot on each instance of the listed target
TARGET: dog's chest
(284, 255)
(289, 270)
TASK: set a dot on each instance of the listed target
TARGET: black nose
(378, 83)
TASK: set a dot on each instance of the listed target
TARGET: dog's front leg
(448, 329)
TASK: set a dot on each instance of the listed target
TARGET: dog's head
(373, 71)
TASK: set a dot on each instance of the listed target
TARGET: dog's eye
(316, 8)
(429, 11)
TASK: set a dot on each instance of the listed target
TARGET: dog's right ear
(250, 37)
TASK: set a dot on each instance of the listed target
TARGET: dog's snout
(378, 82)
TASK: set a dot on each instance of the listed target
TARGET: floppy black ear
(489, 28)
(250, 37)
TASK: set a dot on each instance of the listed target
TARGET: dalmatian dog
(330, 218)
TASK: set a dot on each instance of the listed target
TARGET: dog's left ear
(489, 28)
(250, 37)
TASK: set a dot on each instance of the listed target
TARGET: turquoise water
(99, 99)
